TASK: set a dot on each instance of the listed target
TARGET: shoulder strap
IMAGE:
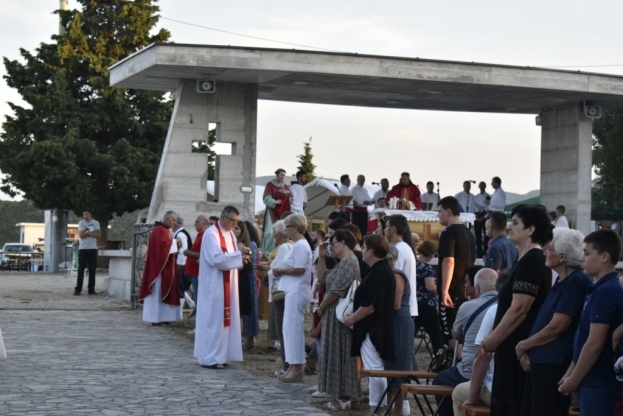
(480, 310)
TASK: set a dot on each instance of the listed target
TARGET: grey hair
(229, 210)
(571, 243)
(392, 253)
(168, 214)
(279, 227)
(179, 221)
(485, 278)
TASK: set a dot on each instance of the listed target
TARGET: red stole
(226, 281)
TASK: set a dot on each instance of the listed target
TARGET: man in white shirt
(381, 193)
(430, 199)
(466, 198)
(299, 195)
(184, 242)
(361, 200)
(344, 188)
(480, 206)
(498, 199)
(89, 232)
(561, 221)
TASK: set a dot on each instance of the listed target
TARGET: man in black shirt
(457, 252)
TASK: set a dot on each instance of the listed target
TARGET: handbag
(345, 305)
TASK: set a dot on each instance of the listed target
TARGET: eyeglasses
(289, 226)
(549, 250)
(335, 242)
(232, 220)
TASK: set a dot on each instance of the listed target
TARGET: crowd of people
(540, 320)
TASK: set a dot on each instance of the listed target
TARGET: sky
(444, 147)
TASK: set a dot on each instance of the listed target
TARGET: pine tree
(81, 144)
(306, 161)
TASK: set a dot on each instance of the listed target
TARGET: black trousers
(87, 256)
(447, 317)
(481, 238)
(428, 318)
(541, 395)
(360, 219)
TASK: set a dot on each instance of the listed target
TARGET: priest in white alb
(217, 334)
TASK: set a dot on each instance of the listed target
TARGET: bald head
(484, 280)
(201, 223)
(415, 239)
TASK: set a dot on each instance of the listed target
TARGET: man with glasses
(218, 332)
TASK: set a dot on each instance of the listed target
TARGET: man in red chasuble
(406, 192)
(160, 293)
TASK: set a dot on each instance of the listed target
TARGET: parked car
(16, 256)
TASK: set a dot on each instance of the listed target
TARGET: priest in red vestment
(159, 292)
(406, 192)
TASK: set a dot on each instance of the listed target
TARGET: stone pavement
(108, 362)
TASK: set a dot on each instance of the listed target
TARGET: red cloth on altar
(409, 192)
(160, 263)
(278, 194)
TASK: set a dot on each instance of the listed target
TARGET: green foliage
(607, 193)
(207, 147)
(306, 161)
(81, 143)
(13, 212)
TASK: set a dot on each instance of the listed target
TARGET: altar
(425, 223)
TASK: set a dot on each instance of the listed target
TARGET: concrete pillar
(182, 175)
(566, 164)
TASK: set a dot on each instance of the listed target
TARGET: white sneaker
(321, 395)
(406, 408)
(312, 389)
(189, 300)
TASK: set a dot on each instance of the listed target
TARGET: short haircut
(168, 214)
(229, 210)
(279, 227)
(321, 233)
(345, 236)
(468, 182)
(361, 176)
(385, 179)
(482, 183)
(605, 241)
(343, 178)
(502, 278)
(552, 215)
(535, 216)
(214, 218)
(569, 242)
(278, 171)
(392, 253)
(561, 208)
(354, 230)
(297, 220)
(427, 249)
(337, 223)
(430, 183)
(471, 274)
(452, 204)
(485, 277)
(89, 210)
(498, 220)
(405, 174)
(179, 221)
(497, 180)
(378, 244)
(381, 199)
(300, 173)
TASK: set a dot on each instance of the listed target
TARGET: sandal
(340, 405)
(214, 366)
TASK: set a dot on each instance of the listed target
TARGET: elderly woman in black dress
(520, 299)
(372, 320)
(337, 373)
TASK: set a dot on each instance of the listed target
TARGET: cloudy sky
(439, 146)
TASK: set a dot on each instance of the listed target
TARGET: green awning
(530, 201)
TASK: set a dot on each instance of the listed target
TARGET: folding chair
(404, 376)
(425, 339)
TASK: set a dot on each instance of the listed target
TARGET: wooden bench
(484, 411)
(427, 390)
(403, 376)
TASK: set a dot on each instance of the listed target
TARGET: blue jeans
(448, 377)
(318, 347)
(599, 401)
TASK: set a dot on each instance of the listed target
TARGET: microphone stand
(438, 193)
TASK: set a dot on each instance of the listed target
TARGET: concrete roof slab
(370, 81)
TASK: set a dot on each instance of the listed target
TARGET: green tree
(81, 143)
(306, 161)
(608, 164)
(207, 147)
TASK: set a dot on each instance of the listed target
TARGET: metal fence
(140, 241)
(21, 261)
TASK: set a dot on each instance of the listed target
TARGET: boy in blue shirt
(591, 373)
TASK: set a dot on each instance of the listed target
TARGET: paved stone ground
(92, 355)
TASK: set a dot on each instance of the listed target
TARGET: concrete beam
(566, 164)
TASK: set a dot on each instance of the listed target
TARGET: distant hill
(511, 197)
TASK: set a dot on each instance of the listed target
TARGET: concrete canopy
(369, 81)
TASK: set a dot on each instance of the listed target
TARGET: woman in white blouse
(295, 281)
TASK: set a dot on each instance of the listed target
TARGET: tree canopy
(608, 164)
(79, 143)
(306, 161)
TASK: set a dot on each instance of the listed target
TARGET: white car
(16, 256)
